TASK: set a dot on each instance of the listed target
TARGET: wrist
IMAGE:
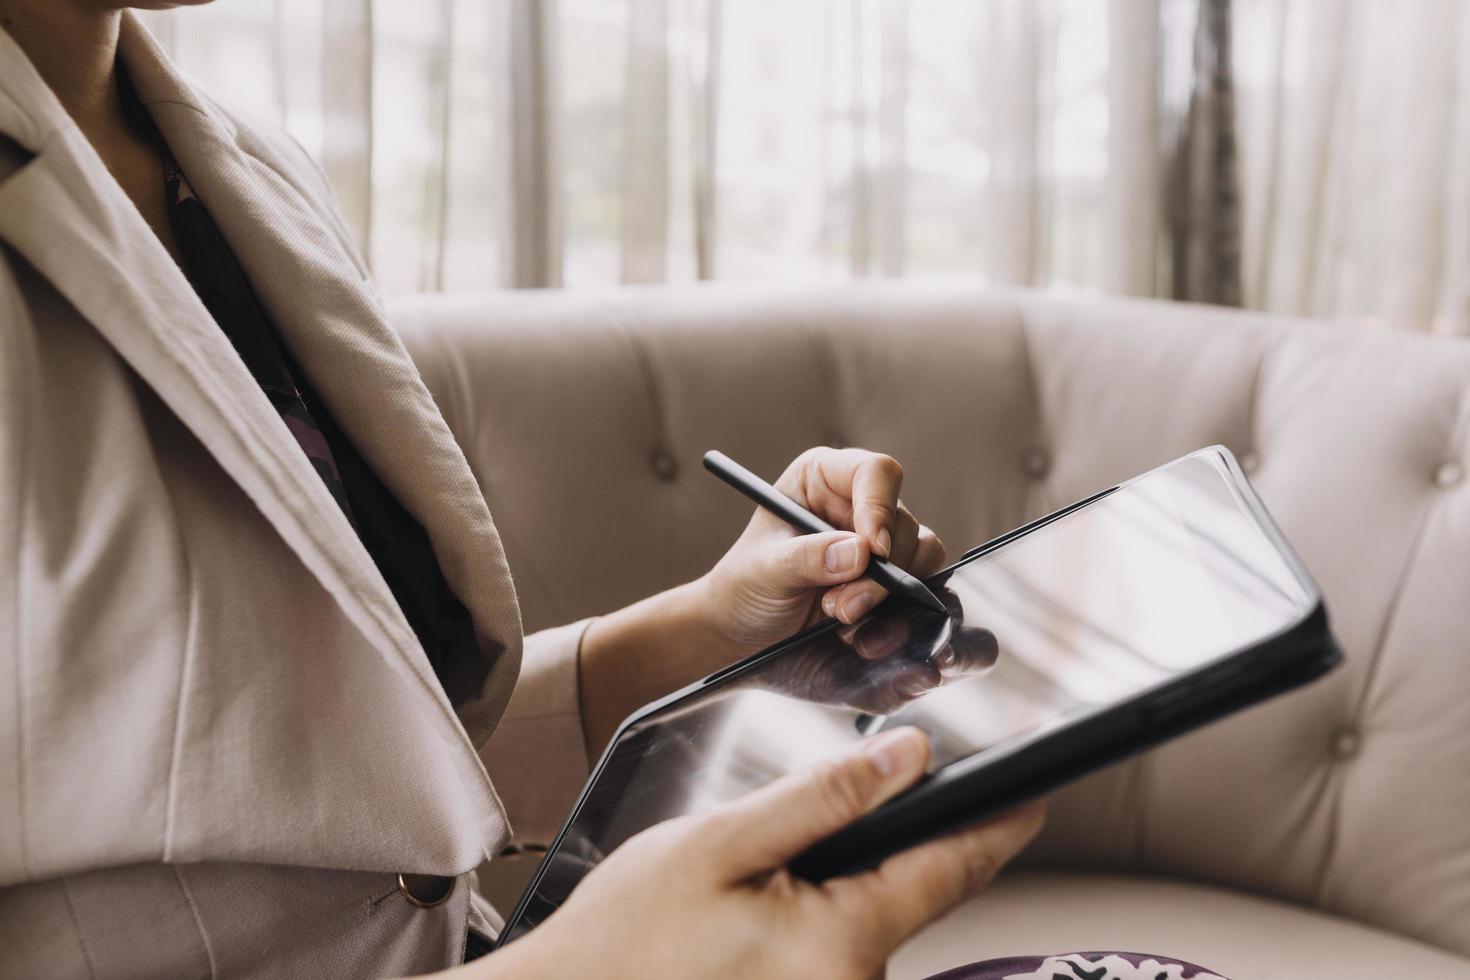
(642, 652)
(682, 634)
(707, 620)
(680, 624)
(688, 615)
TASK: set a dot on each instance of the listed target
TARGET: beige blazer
(220, 742)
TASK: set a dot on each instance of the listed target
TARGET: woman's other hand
(774, 580)
(710, 896)
(771, 583)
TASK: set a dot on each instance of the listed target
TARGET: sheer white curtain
(1355, 138)
(1085, 144)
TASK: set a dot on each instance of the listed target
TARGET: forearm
(644, 651)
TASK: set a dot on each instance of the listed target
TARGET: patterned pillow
(1081, 966)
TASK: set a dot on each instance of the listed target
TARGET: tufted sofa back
(584, 418)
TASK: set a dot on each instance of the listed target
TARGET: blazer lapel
(66, 215)
(328, 314)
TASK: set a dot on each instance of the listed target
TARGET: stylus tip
(928, 599)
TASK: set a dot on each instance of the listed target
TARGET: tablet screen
(1157, 578)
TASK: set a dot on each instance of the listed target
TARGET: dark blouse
(398, 544)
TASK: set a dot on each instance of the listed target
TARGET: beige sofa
(1326, 834)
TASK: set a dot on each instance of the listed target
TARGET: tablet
(1111, 625)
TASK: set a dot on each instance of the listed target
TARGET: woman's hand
(771, 583)
(709, 896)
(774, 580)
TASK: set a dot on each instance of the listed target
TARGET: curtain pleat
(705, 130)
(532, 251)
(645, 177)
(890, 183)
(1012, 79)
(816, 213)
(1453, 302)
(859, 167)
(278, 60)
(1270, 75)
(347, 111)
(1204, 211)
(439, 187)
(1132, 197)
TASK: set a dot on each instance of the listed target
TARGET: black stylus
(885, 573)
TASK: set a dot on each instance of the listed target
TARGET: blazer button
(426, 891)
(1346, 743)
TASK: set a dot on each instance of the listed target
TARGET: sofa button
(1036, 462)
(426, 891)
(1346, 743)
(1450, 474)
(664, 465)
(1249, 462)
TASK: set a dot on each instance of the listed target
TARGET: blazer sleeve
(537, 755)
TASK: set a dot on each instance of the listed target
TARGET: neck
(73, 45)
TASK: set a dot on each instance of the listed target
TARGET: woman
(266, 646)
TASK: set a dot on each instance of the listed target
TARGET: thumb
(808, 561)
(772, 825)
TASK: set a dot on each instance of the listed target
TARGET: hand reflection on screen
(882, 662)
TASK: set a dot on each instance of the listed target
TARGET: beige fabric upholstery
(1238, 935)
(584, 418)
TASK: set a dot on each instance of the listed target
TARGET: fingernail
(857, 607)
(884, 544)
(896, 752)
(841, 556)
(829, 604)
